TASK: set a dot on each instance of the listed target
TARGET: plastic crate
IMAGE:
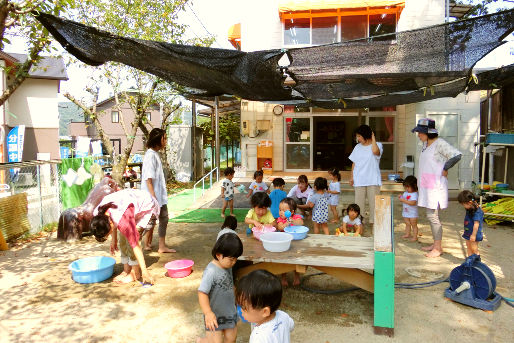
(499, 138)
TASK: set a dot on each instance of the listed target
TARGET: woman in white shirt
(366, 178)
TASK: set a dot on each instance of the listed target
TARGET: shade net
(384, 71)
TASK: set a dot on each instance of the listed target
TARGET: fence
(29, 193)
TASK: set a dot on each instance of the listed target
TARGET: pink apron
(432, 186)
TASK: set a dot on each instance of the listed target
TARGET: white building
(324, 137)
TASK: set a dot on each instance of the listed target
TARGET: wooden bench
(366, 262)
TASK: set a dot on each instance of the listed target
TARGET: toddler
(288, 204)
(227, 191)
(319, 204)
(472, 222)
(259, 294)
(277, 195)
(300, 192)
(229, 226)
(409, 198)
(257, 185)
(259, 214)
(334, 189)
(352, 220)
(216, 292)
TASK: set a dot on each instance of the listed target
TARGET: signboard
(65, 152)
(15, 140)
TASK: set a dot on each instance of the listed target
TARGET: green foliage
(483, 7)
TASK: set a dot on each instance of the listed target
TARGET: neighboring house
(111, 119)
(68, 113)
(311, 139)
(34, 104)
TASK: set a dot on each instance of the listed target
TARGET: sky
(208, 17)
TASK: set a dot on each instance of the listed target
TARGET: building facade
(313, 139)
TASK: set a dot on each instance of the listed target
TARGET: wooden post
(193, 140)
(384, 266)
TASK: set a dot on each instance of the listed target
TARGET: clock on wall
(277, 110)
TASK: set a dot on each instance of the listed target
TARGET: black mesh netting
(417, 65)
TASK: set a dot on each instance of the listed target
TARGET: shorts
(334, 200)
(230, 197)
(467, 235)
(127, 252)
(224, 323)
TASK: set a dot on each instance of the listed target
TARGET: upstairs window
(297, 31)
(324, 30)
(382, 24)
(115, 116)
(354, 27)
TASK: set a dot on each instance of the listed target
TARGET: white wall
(261, 28)
(421, 13)
(34, 104)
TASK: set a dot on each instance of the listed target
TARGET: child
(229, 226)
(301, 191)
(227, 191)
(409, 198)
(277, 195)
(288, 204)
(216, 291)
(259, 294)
(334, 188)
(257, 185)
(352, 220)
(259, 214)
(472, 222)
(126, 211)
(319, 204)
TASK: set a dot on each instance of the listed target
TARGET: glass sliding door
(384, 129)
(297, 143)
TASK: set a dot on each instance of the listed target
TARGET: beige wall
(34, 104)
(41, 140)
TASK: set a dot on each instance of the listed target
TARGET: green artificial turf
(208, 215)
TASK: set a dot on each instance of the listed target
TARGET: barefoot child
(472, 222)
(129, 211)
(259, 294)
(257, 185)
(288, 204)
(319, 204)
(260, 214)
(228, 226)
(409, 198)
(277, 195)
(227, 191)
(216, 291)
(351, 221)
(334, 189)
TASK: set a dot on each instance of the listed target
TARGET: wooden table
(340, 256)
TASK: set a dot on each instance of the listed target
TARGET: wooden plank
(275, 268)
(315, 250)
(383, 224)
(355, 277)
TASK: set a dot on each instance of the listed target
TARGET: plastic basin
(298, 232)
(276, 241)
(257, 233)
(92, 269)
(179, 268)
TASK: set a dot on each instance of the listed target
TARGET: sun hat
(425, 125)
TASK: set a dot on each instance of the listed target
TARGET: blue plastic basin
(298, 232)
(92, 269)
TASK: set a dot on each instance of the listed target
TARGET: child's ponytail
(101, 224)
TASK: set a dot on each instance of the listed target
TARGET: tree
(142, 19)
(16, 17)
(482, 7)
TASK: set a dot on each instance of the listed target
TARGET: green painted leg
(384, 293)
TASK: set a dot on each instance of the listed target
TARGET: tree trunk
(212, 155)
(226, 147)
(233, 155)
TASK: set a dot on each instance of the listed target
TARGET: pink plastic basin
(179, 268)
(258, 232)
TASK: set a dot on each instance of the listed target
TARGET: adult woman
(366, 178)
(152, 180)
(437, 156)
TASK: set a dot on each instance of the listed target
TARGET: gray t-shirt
(219, 285)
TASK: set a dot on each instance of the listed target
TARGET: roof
(459, 10)
(305, 5)
(49, 67)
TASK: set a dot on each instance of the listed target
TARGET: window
(298, 143)
(382, 24)
(324, 30)
(354, 27)
(148, 116)
(115, 116)
(383, 127)
(297, 31)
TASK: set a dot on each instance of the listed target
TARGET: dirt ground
(39, 302)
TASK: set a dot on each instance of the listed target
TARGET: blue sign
(65, 152)
(15, 140)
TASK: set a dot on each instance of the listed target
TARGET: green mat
(208, 215)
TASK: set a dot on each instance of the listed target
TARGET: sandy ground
(39, 302)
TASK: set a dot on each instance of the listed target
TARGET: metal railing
(202, 180)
